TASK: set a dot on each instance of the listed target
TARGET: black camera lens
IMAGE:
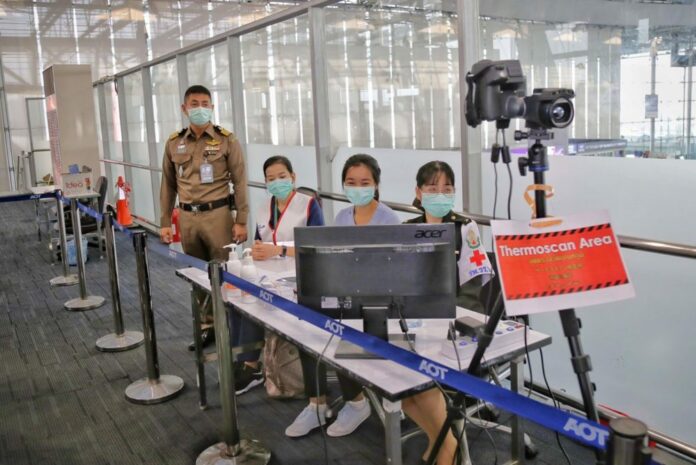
(560, 113)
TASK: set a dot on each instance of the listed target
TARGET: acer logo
(429, 233)
(433, 370)
(586, 431)
(267, 296)
(334, 327)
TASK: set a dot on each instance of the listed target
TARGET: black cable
(316, 379)
(457, 452)
(509, 202)
(404, 329)
(529, 362)
(509, 209)
(490, 436)
(495, 172)
(555, 404)
(495, 191)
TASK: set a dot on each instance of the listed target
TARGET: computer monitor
(377, 272)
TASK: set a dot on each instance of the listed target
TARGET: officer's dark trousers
(203, 235)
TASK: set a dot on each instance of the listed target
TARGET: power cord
(529, 361)
(453, 338)
(555, 404)
(505, 151)
(316, 379)
(495, 156)
(404, 329)
(490, 437)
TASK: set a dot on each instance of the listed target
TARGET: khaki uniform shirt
(183, 157)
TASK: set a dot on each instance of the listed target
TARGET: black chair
(88, 223)
(310, 192)
(492, 288)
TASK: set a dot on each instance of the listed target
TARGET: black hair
(277, 159)
(430, 172)
(197, 89)
(371, 164)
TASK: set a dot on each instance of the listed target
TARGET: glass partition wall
(322, 80)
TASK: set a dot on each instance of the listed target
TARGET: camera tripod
(536, 162)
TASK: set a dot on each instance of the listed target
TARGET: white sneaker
(307, 420)
(349, 418)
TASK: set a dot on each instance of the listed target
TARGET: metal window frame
(182, 80)
(320, 101)
(123, 121)
(468, 53)
(468, 35)
(106, 149)
(7, 133)
(146, 74)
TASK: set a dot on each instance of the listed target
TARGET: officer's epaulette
(456, 217)
(222, 131)
(176, 134)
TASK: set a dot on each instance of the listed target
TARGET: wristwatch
(284, 251)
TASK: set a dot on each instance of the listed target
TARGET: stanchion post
(119, 340)
(232, 450)
(155, 388)
(627, 443)
(67, 279)
(84, 302)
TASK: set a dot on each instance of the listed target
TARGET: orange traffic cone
(123, 214)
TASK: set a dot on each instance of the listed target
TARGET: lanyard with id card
(206, 168)
(206, 172)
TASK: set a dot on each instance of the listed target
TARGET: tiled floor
(62, 401)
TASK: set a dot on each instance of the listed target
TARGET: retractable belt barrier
(570, 425)
(21, 197)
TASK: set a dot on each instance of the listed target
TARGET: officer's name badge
(212, 148)
(181, 148)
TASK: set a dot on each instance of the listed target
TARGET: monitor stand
(375, 320)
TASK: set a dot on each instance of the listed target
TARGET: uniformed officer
(199, 163)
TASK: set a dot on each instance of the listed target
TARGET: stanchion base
(146, 391)
(250, 452)
(115, 343)
(69, 280)
(88, 303)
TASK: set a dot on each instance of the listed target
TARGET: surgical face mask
(280, 188)
(200, 115)
(437, 205)
(360, 196)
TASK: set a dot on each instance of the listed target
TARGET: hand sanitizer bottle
(232, 266)
(249, 274)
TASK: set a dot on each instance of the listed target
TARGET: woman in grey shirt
(360, 178)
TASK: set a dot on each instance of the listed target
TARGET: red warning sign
(576, 262)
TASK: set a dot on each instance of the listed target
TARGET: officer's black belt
(204, 207)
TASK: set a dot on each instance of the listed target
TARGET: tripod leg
(517, 433)
(463, 444)
(582, 365)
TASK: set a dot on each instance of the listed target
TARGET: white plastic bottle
(248, 274)
(232, 266)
